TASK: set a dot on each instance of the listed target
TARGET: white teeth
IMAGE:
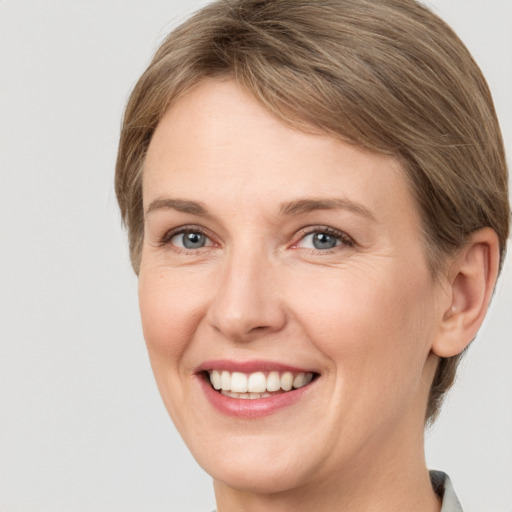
(225, 381)
(256, 385)
(287, 381)
(238, 382)
(273, 382)
(230, 394)
(300, 380)
(245, 396)
(216, 379)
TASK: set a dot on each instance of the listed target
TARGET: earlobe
(471, 284)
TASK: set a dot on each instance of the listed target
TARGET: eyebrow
(297, 207)
(180, 205)
(310, 204)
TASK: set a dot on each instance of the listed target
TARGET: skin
(365, 315)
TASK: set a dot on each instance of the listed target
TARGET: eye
(319, 241)
(324, 239)
(189, 239)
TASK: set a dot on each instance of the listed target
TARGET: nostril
(259, 328)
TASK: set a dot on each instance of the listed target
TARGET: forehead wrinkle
(307, 205)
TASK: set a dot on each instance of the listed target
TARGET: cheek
(169, 317)
(169, 322)
(367, 309)
(377, 331)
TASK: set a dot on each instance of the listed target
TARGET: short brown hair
(387, 76)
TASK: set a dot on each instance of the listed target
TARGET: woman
(316, 202)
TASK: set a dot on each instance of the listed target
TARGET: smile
(257, 384)
(254, 389)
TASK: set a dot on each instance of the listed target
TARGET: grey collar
(443, 486)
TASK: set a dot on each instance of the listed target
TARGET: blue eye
(190, 240)
(324, 240)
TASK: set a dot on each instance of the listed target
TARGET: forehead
(218, 144)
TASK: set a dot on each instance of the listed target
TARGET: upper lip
(255, 365)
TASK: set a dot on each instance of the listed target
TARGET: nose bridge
(246, 301)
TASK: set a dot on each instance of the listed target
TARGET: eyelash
(344, 239)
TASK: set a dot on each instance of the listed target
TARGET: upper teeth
(258, 382)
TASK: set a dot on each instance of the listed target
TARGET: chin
(264, 465)
(260, 478)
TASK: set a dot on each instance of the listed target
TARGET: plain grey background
(82, 427)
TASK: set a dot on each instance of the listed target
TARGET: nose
(247, 302)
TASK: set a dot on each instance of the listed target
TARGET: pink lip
(251, 409)
(248, 366)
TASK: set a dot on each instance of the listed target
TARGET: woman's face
(271, 258)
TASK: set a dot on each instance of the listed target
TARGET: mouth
(256, 385)
(254, 389)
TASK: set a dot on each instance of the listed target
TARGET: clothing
(444, 488)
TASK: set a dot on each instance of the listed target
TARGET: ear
(471, 281)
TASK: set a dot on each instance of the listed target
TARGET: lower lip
(251, 408)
